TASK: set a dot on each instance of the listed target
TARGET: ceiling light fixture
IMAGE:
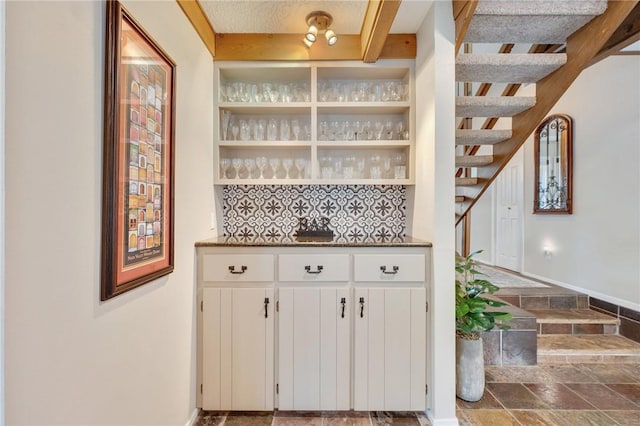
(319, 21)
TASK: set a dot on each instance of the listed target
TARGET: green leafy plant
(472, 316)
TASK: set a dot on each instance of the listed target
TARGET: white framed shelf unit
(314, 123)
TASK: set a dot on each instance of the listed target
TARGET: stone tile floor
(543, 394)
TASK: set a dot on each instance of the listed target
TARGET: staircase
(562, 38)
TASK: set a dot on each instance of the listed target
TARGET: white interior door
(509, 214)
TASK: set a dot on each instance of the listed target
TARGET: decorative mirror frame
(553, 189)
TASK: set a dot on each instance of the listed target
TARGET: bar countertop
(406, 241)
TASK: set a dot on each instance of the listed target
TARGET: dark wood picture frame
(138, 157)
(553, 164)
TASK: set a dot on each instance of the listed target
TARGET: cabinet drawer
(389, 267)
(303, 267)
(234, 267)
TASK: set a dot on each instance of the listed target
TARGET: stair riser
(587, 359)
(548, 302)
(577, 328)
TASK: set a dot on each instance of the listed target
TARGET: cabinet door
(313, 349)
(238, 349)
(390, 349)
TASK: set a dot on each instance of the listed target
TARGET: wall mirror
(553, 165)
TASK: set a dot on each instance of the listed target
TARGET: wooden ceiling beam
(200, 22)
(289, 47)
(375, 27)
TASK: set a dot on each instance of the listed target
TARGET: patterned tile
(356, 213)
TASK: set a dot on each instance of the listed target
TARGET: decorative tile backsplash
(356, 213)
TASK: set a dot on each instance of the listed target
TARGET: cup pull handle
(242, 270)
(319, 269)
(384, 270)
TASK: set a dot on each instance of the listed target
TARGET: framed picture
(138, 163)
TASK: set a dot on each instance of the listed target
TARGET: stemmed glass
(235, 129)
(300, 165)
(236, 164)
(274, 163)
(252, 170)
(287, 163)
(243, 171)
(261, 162)
(225, 163)
(285, 132)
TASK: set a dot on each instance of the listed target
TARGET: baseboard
(444, 422)
(588, 292)
(194, 417)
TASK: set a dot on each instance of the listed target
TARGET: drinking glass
(261, 128)
(400, 172)
(226, 118)
(323, 131)
(235, 130)
(272, 129)
(236, 163)
(285, 130)
(244, 130)
(287, 163)
(300, 164)
(225, 163)
(261, 163)
(295, 127)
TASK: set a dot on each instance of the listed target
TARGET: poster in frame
(138, 157)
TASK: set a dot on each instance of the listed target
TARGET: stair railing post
(466, 234)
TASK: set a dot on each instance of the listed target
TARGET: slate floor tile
(601, 396)
(516, 396)
(558, 396)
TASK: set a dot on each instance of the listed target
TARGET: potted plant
(473, 317)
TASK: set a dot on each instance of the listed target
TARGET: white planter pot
(469, 369)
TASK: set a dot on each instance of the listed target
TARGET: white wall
(597, 248)
(2, 196)
(71, 359)
(433, 212)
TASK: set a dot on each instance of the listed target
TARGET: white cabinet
(312, 328)
(238, 349)
(389, 349)
(310, 123)
(314, 348)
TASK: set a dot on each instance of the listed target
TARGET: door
(238, 349)
(314, 349)
(389, 349)
(509, 214)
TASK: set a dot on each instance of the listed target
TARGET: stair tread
(533, 22)
(591, 344)
(507, 68)
(473, 160)
(467, 181)
(572, 316)
(481, 136)
(492, 106)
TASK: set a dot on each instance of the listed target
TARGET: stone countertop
(406, 241)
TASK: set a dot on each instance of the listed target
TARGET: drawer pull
(319, 269)
(266, 307)
(343, 302)
(242, 270)
(362, 307)
(384, 270)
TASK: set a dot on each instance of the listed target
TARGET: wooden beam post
(200, 22)
(375, 27)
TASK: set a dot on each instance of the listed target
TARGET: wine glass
(274, 163)
(261, 162)
(236, 163)
(244, 130)
(225, 163)
(272, 129)
(252, 170)
(300, 165)
(287, 163)
(243, 171)
(226, 118)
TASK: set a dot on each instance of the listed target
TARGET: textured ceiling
(288, 16)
